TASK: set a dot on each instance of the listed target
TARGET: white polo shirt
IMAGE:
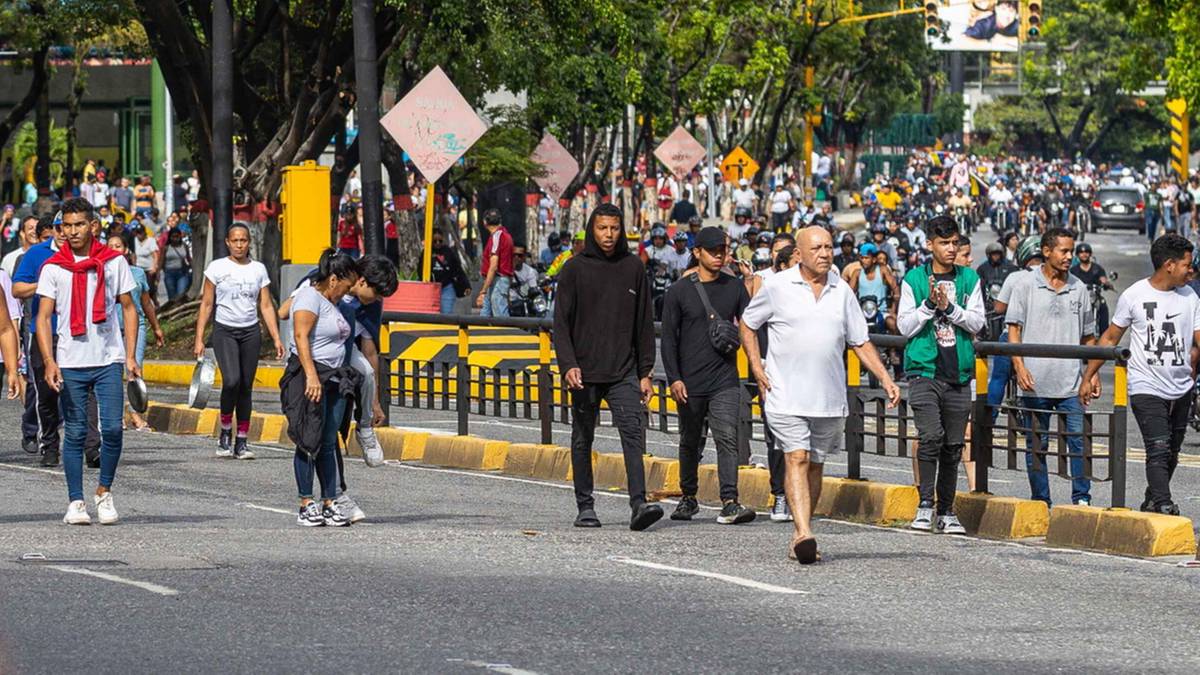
(808, 336)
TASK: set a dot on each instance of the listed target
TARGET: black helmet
(694, 220)
(1083, 248)
(553, 240)
(681, 236)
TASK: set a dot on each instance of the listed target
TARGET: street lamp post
(221, 192)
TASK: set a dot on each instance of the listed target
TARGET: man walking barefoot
(604, 338)
(811, 315)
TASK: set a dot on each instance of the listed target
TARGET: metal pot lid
(203, 377)
(138, 396)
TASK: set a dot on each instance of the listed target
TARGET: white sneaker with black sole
(349, 507)
(310, 516)
(369, 442)
(77, 514)
(106, 511)
(948, 524)
(780, 513)
(924, 519)
(334, 516)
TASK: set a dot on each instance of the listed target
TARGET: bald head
(815, 247)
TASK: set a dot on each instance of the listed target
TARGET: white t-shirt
(781, 201)
(237, 289)
(9, 262)
(14, 305)
(743, 198)
(102, 344)
(329, 334)
(146, 251)
(806, 362)
(1162, 324)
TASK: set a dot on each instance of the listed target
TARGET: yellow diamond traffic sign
(737, 165)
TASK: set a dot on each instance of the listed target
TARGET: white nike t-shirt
(1161, 325)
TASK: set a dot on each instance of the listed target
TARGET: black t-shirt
(946, 335)
(1088, 277)
(687, 353)
(683, 211)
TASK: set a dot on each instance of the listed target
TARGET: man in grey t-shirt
(1048, 305)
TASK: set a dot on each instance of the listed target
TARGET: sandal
(804, 551)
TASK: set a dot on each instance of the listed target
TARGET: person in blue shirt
(123, 243)
(25, 281)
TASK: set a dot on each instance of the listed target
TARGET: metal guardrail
(539, 392)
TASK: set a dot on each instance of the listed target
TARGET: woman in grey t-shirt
(321, 332)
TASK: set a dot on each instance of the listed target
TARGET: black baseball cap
(710, 237)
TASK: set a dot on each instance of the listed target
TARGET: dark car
(1119, 206)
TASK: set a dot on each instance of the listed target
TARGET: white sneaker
(106, 512)
(77, 514)
(924, 519)
(779, 511)
(948, 524)
(349, 507)
(369, 442)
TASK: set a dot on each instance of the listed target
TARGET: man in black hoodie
(604, 340)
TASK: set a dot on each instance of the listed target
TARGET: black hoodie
(603, 323)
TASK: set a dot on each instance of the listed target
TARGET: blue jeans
(495, 303)
(1039, 481)
(178, 282)
(998, 380)
(326, 460)
(105, 383)
(141, 343)
(449, 297)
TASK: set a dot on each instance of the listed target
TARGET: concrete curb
(993, 517)
(1108, 530)
(179, 374)
(1121, 531)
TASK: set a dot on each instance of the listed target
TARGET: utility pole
(366, 87)
(221, 190)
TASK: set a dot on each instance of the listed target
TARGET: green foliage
(503, 153)
(25, 149)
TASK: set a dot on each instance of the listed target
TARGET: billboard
(978, 26)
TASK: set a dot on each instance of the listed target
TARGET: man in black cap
(702, 370)
(604, 339)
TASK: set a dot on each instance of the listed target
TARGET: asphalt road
(463, 572)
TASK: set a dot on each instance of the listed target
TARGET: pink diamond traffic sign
(434, 124)
(561, 168)
(680, 152)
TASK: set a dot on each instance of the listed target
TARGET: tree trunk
(18, 112)
(78, 87)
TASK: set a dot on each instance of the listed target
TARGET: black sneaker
(240, 450)
(225, 443)
(92, 457)
(49, 458)
(1167, 508)
(30, 445)
(734, 513)
(645, 515)
(686, 509)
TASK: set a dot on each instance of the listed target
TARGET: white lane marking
(30, 468)
(266, 508)
(505, 668)
(144, 585)
(738, 581)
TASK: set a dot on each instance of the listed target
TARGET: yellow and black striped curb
(1117, 531)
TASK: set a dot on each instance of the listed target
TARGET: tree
(1177, 25)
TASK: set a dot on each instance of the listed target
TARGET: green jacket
(921, 352)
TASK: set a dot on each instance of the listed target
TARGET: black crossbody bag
(722, 334)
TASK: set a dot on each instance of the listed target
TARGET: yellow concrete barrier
(521, 459)
(608, 471)
(180, 375)
(867, 501)
(1121, 531)
(465, 452)
(554, 463)
(662, 474)
(995, 517)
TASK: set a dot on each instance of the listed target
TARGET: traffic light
(1033, 18)
(933, 25)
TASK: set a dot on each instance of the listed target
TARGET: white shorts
(820, 436)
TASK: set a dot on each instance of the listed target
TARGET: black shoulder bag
(722, 334)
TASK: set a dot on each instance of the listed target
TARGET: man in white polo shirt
(811, 316)
(84, 284)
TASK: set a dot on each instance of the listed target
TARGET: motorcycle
(872, 313)
(964, 220)
(660, 280)
(1001, 223)
(526, 301)
(1030, 222)
(1100, 304)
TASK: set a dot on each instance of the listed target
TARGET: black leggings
(237, 356)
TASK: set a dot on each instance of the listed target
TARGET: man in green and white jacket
(941, 309)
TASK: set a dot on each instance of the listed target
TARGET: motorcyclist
(924, 199)
(846, 253)
(745, 249)
(1052, 198)
(1001, 200)
(868, 278)
(879, 237)
(958, 200)
(1092, 274)
(914, 234)
(992, 273)
(741, 223)
(577, 243)
(1030, 208)
(554, 246)
(658, 248)
(680, 255)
